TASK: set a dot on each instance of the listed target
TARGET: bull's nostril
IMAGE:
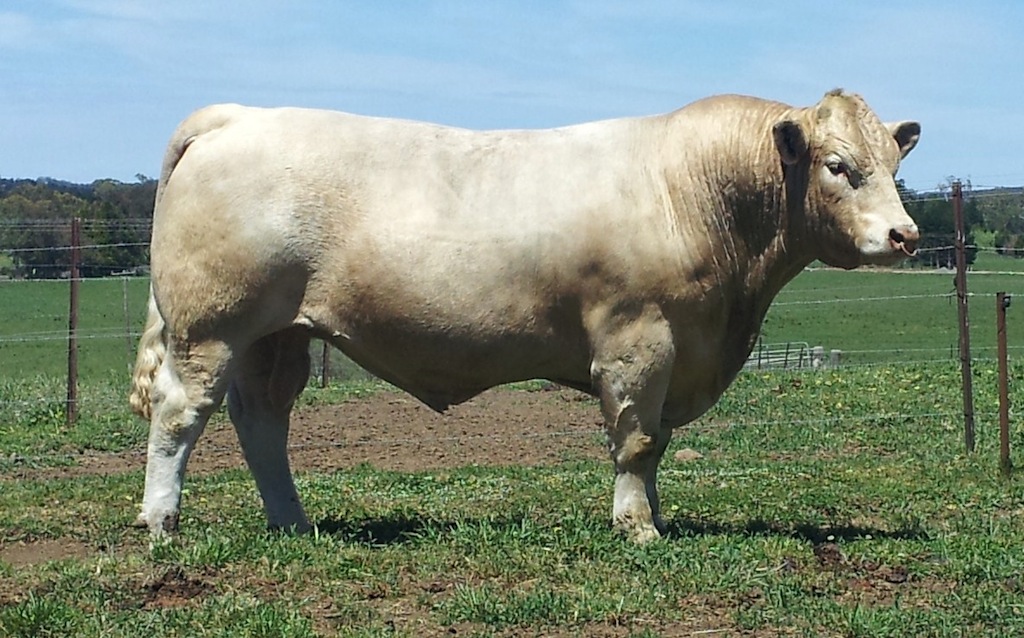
(904, 239)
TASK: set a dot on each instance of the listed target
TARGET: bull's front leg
(631, 374)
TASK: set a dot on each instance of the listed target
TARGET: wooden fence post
(961, 304)
(127, 321)
(1002, 303)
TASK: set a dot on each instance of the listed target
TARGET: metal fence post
(71, 411)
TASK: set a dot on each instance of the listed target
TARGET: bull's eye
(837, 168)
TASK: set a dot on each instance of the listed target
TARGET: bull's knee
(633, 450)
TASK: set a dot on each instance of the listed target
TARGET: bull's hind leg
(631, 374)
(271, 374)
(188, 387)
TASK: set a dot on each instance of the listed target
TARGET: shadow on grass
(401, 529)
(383, 531)
(816, 534)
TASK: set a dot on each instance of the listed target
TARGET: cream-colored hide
(633, 259)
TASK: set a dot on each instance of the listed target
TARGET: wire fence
(41, 316)
(34, 328)
(35, 313)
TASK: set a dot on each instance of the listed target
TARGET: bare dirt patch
(393, 431)
(26, 553)
(173, 589)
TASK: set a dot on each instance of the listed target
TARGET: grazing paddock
(826, 503)
(822, 506)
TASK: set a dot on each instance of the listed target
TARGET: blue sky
(93, 88)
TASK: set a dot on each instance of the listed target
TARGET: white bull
(633, 259)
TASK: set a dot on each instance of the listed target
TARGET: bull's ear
(906, 135)
(791, 141)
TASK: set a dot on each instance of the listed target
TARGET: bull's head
(844, 161)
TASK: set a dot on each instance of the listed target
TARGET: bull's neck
(752, 221)
(767, 206)
(741, 216)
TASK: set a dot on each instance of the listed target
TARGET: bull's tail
(152, 349)
(153, 344)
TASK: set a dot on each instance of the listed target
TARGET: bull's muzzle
(904, 239)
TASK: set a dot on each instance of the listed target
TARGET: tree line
(35, 228)
(993, 218)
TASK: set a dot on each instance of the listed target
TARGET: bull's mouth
(901, 244)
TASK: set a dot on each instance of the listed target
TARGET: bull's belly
(443, 370)
(700, 378)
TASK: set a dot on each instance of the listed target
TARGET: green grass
(903, 315)
(34, 327)
(835, 503)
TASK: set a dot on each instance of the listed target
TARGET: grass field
(835, 503)
(831, 503)
(904, 315)
(34, 326)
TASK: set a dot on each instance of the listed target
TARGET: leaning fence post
(71, 411)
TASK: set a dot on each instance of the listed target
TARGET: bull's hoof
(643, 534)
(639, 532)
(157, 525)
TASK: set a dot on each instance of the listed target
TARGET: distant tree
(1004, 214)
(34, 227)
(1009, 239)
(119, 220)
